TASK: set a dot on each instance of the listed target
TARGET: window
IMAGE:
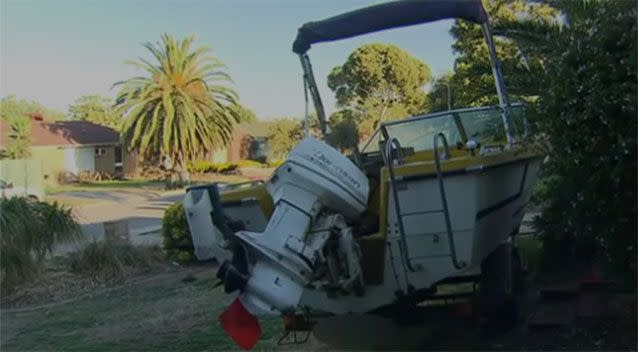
(483, 125)
(100, 151)
(418, 134)
(486, 126)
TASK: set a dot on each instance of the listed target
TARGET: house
(74, 146)
(249, 142)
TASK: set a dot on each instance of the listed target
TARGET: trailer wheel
(502, 283)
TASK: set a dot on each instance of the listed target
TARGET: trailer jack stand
(297, 330)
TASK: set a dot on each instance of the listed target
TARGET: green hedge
(176, 236)
(205, 166)
(250, 163)
(275, 163)
(587, 114)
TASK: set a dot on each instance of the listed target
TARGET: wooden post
(116, 231)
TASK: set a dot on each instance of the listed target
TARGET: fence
(24, 174)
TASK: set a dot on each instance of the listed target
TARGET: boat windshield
(483, 125)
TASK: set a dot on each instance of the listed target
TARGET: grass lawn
(530, 248)
(167, 313)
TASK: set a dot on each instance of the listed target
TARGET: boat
(427, 200)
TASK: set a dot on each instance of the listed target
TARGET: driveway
(141, 209)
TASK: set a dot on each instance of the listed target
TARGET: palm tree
(181, 107)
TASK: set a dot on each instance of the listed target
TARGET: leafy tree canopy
(12, 107)
(473, 82)
(345, 131)
(19, 139)
(16, 114)
(438, 94)
(95, 109)
(380, 82)
(284, 134)
(245, 114)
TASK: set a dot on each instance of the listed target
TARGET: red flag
(240, 325)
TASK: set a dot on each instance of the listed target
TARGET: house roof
(255, 129)
(66, 133)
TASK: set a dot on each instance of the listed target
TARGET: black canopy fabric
(385, 16)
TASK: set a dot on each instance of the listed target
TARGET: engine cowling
(318, 169)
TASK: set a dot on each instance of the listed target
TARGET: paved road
(142, 210)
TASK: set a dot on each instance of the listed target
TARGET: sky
(54, 51)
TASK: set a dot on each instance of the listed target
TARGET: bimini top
(385, 16)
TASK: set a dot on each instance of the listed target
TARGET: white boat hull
(486, 206)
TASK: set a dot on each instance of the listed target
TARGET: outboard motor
(307, 241)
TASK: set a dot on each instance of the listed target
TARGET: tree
(345, 132)
(19, 144)
(586, 108)
(181, 107)
(283, 135)
(587, 112)
(523, 71)
(441, 95)
(15, 115)
(380, 82)
(246, 114)
(95, 109)
(576, 61)
(11, 106)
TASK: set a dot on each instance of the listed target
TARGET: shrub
(201, 166)
(588, 113)
(541, 191)
(249, 163)
(29, 230)
(275, 163)
(224, 168)
(205, 166)
(111, 261)
(175, 234)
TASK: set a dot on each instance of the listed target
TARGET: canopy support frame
(311, 85)
(501, 91)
